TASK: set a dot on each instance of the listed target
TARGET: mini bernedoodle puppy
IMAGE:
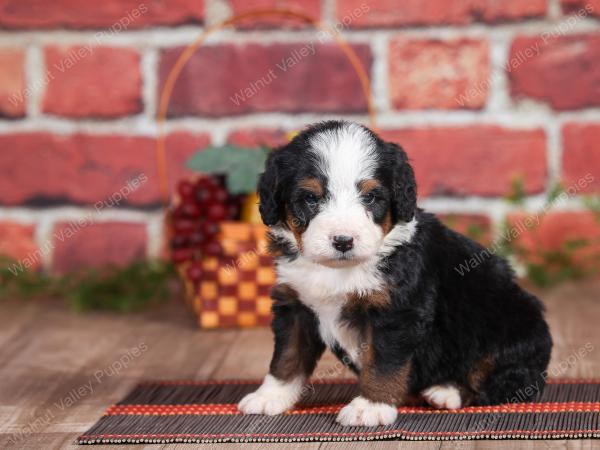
(361, 270)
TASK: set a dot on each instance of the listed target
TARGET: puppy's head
(336, 190)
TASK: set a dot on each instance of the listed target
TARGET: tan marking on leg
(476, 377)
(387, 388)
(377, 299)
(298, 357)
(480, 372)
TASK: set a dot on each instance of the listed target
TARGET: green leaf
(241, 166)
(517, 193)
(592, 203)
(213, 160)
(556, 190)
(538, 275)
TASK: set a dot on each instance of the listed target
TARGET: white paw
(443, 396)
(362, 412)
(272, 397)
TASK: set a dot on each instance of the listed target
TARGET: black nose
(343, 243)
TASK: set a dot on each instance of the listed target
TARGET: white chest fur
(325, 290)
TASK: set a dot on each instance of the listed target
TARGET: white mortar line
(328, 11)
(218, 128)
(44, 240)
(27, 215)
(155, 235)
(498, 86)
(36, 78)
(526, 115)
(380, 73)
(216, 11)
(554, 10)
(149, 69)
(554, 152)
(183, 35)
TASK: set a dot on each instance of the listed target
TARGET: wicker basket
(234, 290)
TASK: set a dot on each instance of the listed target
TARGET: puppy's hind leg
(513, 384)
(521, 375)
(443, 396)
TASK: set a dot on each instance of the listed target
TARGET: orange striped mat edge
(206, 412)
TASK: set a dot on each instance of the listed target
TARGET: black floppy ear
(405, 186)
(269, 190)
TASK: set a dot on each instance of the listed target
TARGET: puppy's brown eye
(311, 199)
(368, 199)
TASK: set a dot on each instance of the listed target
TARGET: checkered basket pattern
(234, 290)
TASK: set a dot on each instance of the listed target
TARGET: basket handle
(161, 158)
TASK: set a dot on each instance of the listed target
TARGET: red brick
(93, 82)
(259, 138)
(565, 73)
(552, 232)
(89, 243)
(474, 160)
(581, 157)
(41, 168)
(12, 83)
(429, 73)
(17, 242)
(112, 15)
(387, 13)
(225, 80)
(310, 8)
(475, 226)
(582, 8)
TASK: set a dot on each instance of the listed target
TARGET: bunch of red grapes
(203, 203)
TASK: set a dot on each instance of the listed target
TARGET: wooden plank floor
(59, 370)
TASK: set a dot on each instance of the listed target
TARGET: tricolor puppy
(361, 270)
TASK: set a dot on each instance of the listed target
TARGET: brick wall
(478, 92)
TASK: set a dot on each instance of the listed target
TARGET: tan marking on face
(366, 186)
(390, 388)
(313, 185)
(387, 225)
(310, 184)
(273, 247)
(296, 229)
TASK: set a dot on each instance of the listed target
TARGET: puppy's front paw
(272, 397)
(443, 396)
(362, 412)
(260, 403)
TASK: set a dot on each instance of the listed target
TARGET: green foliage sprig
(130, 288)
(242, 166)
(552, 267)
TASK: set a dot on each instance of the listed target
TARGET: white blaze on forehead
(347, 156)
